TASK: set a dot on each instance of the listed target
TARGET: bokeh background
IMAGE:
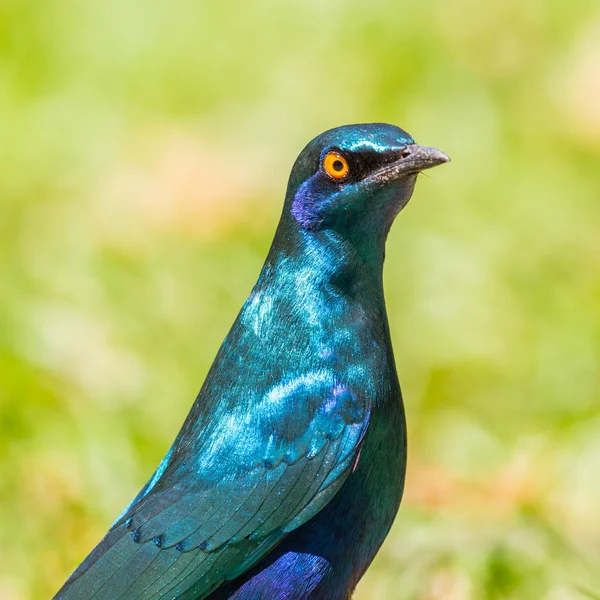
(144, 153)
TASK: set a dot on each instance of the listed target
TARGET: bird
(289, 469)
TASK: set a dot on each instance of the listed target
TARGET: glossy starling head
(356, 177)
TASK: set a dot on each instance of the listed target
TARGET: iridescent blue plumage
(289, 469)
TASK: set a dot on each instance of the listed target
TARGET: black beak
(414, 159)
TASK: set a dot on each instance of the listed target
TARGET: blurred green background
(144, 154)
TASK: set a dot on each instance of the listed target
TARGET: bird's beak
(414, 159)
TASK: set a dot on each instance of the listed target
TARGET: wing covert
(220, 502)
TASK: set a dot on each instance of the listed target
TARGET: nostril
(405, 153)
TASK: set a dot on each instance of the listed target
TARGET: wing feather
(217, 507)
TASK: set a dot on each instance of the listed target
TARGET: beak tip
(440, 157)
(430, 157)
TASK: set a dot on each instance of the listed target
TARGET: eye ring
(335, 165)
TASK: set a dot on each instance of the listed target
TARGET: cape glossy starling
(289, 469)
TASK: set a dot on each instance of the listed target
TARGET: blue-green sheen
(289, 469)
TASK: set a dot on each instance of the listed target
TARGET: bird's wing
(212, 511)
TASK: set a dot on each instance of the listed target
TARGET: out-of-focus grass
(145, 151)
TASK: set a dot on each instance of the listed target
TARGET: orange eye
(335, 165)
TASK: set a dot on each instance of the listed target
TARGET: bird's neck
(326, 259)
